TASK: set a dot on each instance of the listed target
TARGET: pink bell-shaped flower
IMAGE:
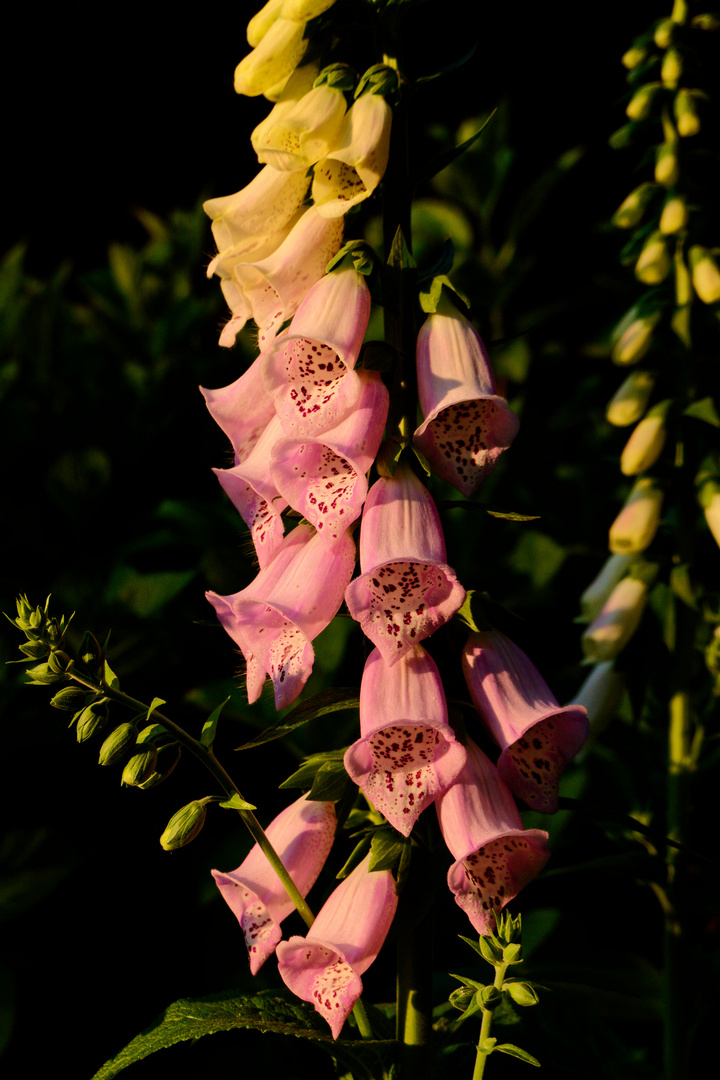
(407, 754)
(310, 369)
(537, 737)
(242, 410)
(250, 488)
(495, 857)
(324, 968)
(271, 289)
(323, 478)
(302, 835)
(405, 590)
(466, 425)
(290, 601)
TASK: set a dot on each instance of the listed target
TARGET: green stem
(228, 785)
(414, 998)
(487, 1018)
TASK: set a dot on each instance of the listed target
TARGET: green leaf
(451, 155)
(155, 704)
(236, 802)
(494, 511)
(304, 777)
(331, 782)
(207, 737)
(269, 1010)
(515, 1051)
(111, 678)
(336, 699)
(704, 410)
(386, 850)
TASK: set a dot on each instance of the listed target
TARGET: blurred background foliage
(107, 327)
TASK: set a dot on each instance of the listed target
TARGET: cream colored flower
(297, 136)
(644, 446)
(629, 402)
(273, 59)
(352, 171)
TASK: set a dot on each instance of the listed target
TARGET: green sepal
(512, 953)
(470, 984)
(331, 782)
(515, 1051)
(34, 650)
(41, 675)
(378, 79)
(487, 1045)
(431, 296)
(386, 849)
(472, 613)
(335, 699)
(155, 734)
(489, 997)
(462, 998)
(490, 951)
(358, 255)
(209, 730)
(355, 857)
(388, 457)
(703, 410)
(338, 77)
(522, 993)
(71, 698)
(236, 802)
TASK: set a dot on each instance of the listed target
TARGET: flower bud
(672, 68)
(139, 767)
(630, 401)
(674, 215)
(667, 168)
(709, 497)
(633, 337)
(70, 698)
(118, 744)
(644, 446)
(636, 524)
(93, 718)
(653, 264)
(617, 621)
(274, 58)
(709, 21)
(596, 594)
(633, 57)
(167, 759)
(630, 212)
(664, 33)
(705, 275)
(640, 104)
(686, 114)
(184, 825)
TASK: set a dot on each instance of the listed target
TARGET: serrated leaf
(207, 736)
(110, 677)
(704, 410)
(333, 700)
(516, 1052)
(236, 802)
(268, 1010)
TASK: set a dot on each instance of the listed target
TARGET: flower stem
(414, 998)
(207, 757)
(487, 1016)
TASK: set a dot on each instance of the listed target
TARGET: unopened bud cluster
(673, 258)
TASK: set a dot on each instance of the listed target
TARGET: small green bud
(184, 826)
(378, 79)
(167, 759)
(667, 168)
(653, 265)
(640, 104)
(57, 662)
(522, 993)
(118, 744)
(634, 57)
(71, 698)
(338, 76)
(139, 767)
(672, 68)
(34, 650)
(664, 33)
(462, 997)
(705, 275)
(631, 210)
(512, 953)
(93, 718)
(490, 952)
(674, 215)
(631, 400)
(622, 137)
